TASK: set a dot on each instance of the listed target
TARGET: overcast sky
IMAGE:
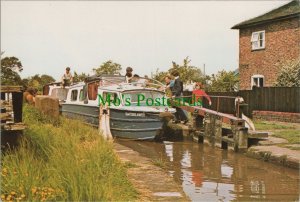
(48, 36)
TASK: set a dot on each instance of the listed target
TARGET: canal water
(208, 174)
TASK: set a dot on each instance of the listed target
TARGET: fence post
(197, 127)
(218, 103)
(240, 136)
(209, 129)
(218, 131)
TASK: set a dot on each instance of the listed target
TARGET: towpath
(152, 182)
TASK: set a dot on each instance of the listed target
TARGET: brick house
(267, 41)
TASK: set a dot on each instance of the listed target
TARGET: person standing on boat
(199, 93)
(169, 85)
(177, 92)
(129, 75)
(67, 78)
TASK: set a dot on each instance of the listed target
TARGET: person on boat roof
(67, 78)
(129, 75)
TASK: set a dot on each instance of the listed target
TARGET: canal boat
(57, 90)
(128, 117)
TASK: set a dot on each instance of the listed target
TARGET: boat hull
(123, 123)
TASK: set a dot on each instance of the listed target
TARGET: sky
(48, 36)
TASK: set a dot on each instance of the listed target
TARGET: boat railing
(237, 100)
(146, 83)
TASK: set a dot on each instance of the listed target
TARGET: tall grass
(62, 160)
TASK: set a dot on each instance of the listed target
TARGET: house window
(257, 81)
(258, 40)
(74, 94)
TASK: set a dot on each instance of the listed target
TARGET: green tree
(35, 84)
(79, 77)
(289, 75)
(9, 68)
(45, 79)
(37, 81)
(108, 67)
(187, 72)
(25, 82)
(223, 82)
(160, 76)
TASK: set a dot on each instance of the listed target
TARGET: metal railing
(237, 104)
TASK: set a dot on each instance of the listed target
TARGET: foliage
(37, 81)
(289, 75)
(223, 82)
(160, 76)
(79, 77)
(9, 68)
(108, 67)
(66, 162)
(187, 72)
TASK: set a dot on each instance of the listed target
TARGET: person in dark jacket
(177, 92)
(178, 85)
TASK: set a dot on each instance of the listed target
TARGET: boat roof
(107, 77)
(77, 85)
(119, 87)
(127, 87)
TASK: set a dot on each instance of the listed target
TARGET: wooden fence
(280, 99)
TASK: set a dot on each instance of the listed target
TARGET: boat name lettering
(134, 114)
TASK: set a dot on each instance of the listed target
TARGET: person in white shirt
(67, 78)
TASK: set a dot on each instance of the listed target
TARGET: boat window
(60, 93)
(133, 95)
(74, 94)
(83, 93)
(113, 96)
(93, 90)
(81, 98)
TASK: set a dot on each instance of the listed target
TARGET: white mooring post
(104, 124)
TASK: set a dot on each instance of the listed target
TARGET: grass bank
(288, 131)
(62, 160)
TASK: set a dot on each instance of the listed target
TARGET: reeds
(62, 160)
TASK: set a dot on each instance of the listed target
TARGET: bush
(289, 75)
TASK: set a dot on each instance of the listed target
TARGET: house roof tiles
(292, 9)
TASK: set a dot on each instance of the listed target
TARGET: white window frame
(258, 40)
(75, 90)
(257, 76)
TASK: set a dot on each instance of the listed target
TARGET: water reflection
(208, 174)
